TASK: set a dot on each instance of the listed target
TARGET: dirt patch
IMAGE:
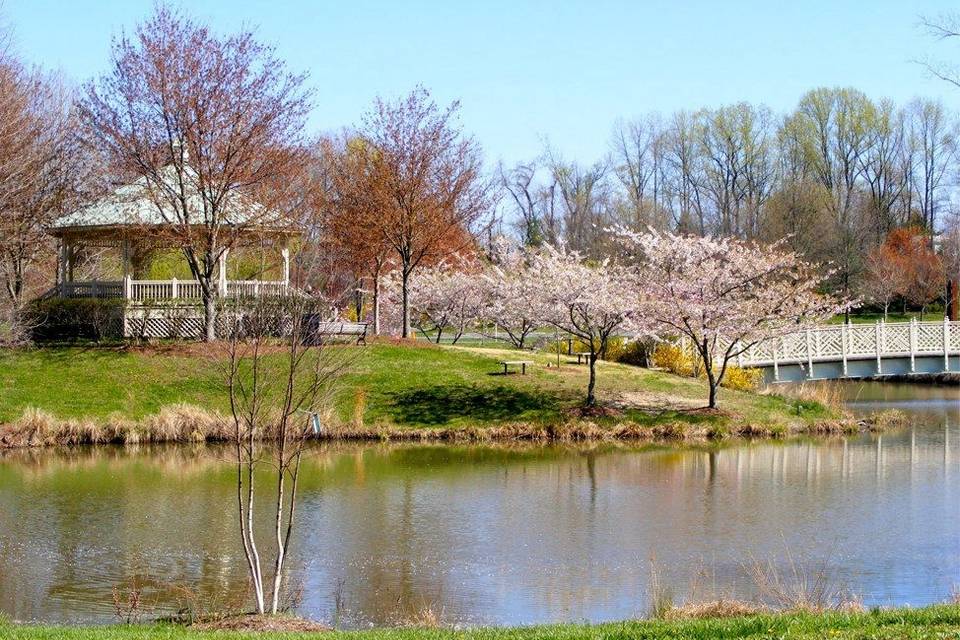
(654, 402)
(252, 622)
(594, 411)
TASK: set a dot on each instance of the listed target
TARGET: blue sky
(533, 71)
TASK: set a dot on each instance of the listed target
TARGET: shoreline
(186, 424)
(936, 621)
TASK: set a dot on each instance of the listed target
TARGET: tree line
(834, 176)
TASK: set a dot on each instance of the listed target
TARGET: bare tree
(582, 193)
(280, 376)
(425, 184)
(210, 127)
(39, 168)
(639, 151)
(934, 137)
(347, 227)
(532, 201)
(836, 133)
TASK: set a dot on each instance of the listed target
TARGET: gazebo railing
(92, 289)
(174, 289)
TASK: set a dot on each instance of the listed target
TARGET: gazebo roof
(132, 205)
(128, 205)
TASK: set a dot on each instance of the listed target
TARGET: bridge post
(843, 347)
(877, 343)
(946, 343)
(809, 356)
(913, 345)
(776, 364)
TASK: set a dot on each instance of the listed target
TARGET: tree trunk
(711, 378)
(358, 304)
(712, 382)
(591, 399)
(209, 317)
(712, 403)
(376, 305)
(405, 304)
(281, 548)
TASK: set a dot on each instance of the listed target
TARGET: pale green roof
(133, 205)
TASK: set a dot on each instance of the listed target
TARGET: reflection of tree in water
(107, 523)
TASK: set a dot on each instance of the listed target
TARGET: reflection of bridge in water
(858, 351)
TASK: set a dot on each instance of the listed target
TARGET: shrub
(551, 346)
(73, 318)
(742, 379)
(673, 358)
(636, 353)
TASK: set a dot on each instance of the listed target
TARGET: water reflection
(491, 534)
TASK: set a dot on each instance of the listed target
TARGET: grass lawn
(415, 386)
(940, 622)
(892, 316)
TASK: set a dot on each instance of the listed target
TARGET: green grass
(420, 386)
(892, 316)
(941, 622)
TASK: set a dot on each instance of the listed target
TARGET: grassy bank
(417, 391)
(933, 622)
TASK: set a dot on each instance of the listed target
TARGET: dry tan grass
(256, 623)
(176, 423)
(184, 423)
(828, 394)
(726, 608)
(425, 617)
(188, 423)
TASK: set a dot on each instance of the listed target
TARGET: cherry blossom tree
(589, 301)
(511, 296)
(726, 294)
(446, 297)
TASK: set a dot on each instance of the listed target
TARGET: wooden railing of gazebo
(173, 289)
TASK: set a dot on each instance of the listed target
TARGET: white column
(67, 262)
(223, 272)
(843, 347)
(776, 363)
(285, 252)
(125, 257)
(174, 289)
(878, 342)
(946, 343)
(62, 268)
(913, 345)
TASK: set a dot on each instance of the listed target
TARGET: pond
(498, 534)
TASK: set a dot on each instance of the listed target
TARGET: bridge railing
(843, 342)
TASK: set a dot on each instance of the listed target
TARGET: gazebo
(130, 221)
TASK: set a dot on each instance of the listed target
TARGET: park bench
(319, 328)
(582, 356)
(516, 363)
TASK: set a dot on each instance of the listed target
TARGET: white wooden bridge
(858, 351)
